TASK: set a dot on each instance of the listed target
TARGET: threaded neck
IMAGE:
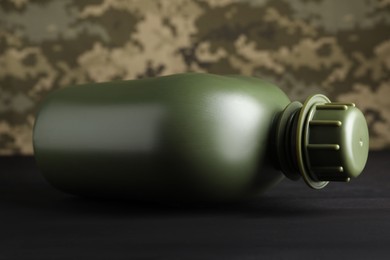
(293, 138)
(286, 140)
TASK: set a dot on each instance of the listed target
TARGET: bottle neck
(286, 141)
(292, 138)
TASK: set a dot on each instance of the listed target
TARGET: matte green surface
(188, 136)
(194, 137)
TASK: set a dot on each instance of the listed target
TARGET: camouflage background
(336, 47)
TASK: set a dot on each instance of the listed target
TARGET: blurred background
(338, 48)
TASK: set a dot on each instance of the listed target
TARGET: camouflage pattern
(338, 48)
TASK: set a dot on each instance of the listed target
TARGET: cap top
(335, 142)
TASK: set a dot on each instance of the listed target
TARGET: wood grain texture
(342, 221)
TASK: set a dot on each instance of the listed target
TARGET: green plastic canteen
(194, 137)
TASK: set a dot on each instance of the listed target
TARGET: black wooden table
(342, 221)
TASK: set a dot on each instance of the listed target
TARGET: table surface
(291, 221)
